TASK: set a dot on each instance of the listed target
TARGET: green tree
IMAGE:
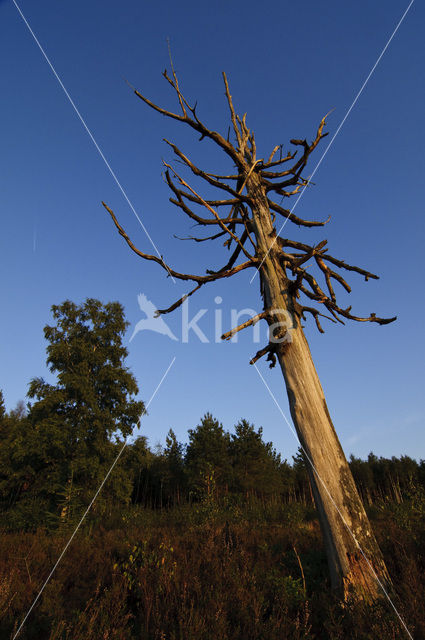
(2, 409)
(3, 446)
(174, 479)
(363, 476)
(75, 426)
(137, 460)
(407, 472)
(16, 465)
(301, 477)
(207, 458)
(256, 465)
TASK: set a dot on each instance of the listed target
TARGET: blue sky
(288, 65)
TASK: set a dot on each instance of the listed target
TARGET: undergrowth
(203, 572)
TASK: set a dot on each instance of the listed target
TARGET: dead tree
(245, 215)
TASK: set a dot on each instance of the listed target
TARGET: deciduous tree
(75, 426)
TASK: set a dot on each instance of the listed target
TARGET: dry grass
(162, 578)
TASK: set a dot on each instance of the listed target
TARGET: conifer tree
(256, 465)
(175, 473)
(2, 407)
(207, 459)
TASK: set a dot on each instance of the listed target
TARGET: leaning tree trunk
(341, 512)
(337, 500)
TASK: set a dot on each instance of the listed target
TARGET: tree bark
(339, 507)
(338, 503)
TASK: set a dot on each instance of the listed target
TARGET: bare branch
(283, 181)
(178, 303)
(234, 255)
(207, 177)
(285, 242)
(230, 202)
(308, 254)
(277, 147)
(271, 357)
(372, 318)
(319, 296)
(348, 267)
(293, 218)
(176, 82)
(195, 239)
(277, 174)
(275, 163)
(232, 111)
(329, 273)
(241, 188)
(215, 214)
(220, 177)
(180, 203)
(299, 166)
(176, 274)
(316, 313)
(194, 122)
(244, 325)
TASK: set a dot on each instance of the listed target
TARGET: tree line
(56, 449)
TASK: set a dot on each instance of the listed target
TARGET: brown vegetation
(206, 571)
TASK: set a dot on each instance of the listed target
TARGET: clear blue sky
(288, 63)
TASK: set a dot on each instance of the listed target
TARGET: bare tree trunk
(336, 497)
(252, 213)
(332, 479)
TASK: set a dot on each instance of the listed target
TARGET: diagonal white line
(337, 131)
(333, 502)
(89, 507)
(90, 135)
